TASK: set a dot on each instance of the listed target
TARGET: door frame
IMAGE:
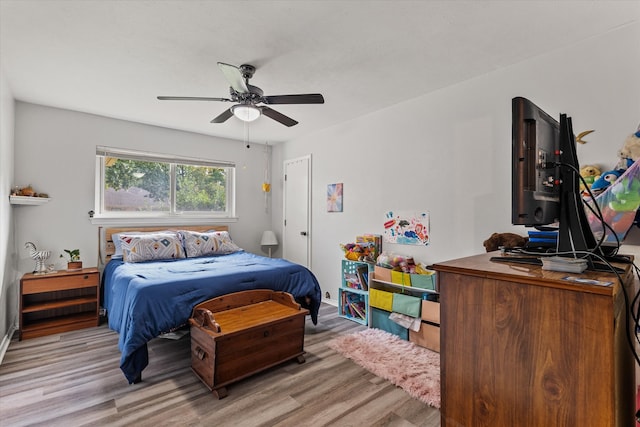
(309, 205)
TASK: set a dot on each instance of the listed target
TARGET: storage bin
(353, 305)
(424, 281)
(400, 278)
(380, 319)
(406, 304)
(430, 311)
(381, 273)
(381, 299)
(428, 337)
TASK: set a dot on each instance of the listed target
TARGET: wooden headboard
(110, 248)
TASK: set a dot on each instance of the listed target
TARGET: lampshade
(269, 239)
(246, 112)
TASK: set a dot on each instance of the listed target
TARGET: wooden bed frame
(110, 248)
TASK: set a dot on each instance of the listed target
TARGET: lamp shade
(269, 239)
(246, 112)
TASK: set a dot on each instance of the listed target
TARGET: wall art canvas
(334, 197)
(406, 228)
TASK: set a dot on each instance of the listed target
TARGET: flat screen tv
(545, 179)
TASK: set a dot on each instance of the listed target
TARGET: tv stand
(593, 265)
(532, 348)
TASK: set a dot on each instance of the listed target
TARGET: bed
(145, 298)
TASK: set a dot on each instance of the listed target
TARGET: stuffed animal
(505, 240)
(631, 147)
(590, 173)
(605, 180)
(627, 196)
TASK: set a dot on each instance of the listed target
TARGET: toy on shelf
(27, 191)
(366, 248)
(40, 257)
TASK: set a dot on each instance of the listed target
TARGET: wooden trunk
(240, 334)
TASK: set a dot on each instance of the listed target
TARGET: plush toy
(590, 173)
(627, 196)
(631, 147)
(605, 180)
(396, 262)
(506, 240)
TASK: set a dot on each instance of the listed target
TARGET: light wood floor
(74, 379)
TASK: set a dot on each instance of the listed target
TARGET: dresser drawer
(61, 283)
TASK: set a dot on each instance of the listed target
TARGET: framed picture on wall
(334, 197)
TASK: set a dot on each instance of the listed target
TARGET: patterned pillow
(117, 242)
(146, 247)
(209, 243)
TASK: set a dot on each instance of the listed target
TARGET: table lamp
(269, 239)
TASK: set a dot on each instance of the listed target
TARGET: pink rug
(412, 368)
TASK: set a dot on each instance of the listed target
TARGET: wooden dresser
(240, 334)
(58, 302)
(520, 346)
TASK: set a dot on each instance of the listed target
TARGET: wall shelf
(26, 200)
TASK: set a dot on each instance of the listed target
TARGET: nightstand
(58, 302)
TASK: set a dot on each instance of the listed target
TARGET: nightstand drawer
(60, 283)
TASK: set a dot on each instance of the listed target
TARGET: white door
(296, 246)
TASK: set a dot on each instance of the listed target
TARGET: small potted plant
(74, 262)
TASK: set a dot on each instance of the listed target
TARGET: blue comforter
(146, 299)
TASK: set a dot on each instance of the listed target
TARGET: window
(136, 184)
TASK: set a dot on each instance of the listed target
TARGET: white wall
(8, 275)
(55, 153)
(449, 152)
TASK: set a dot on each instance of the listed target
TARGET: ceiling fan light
(246, 112)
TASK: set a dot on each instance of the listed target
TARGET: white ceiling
(113, 58)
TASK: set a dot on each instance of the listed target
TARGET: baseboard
(4, 345)
(331, 302)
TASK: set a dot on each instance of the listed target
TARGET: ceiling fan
(247, 97)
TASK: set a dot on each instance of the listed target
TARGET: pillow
(117, 243)
(209, 243)
(147, 247)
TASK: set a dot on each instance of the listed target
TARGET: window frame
(100, 216)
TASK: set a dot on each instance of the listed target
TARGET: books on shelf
(354, 306)
(363, 276)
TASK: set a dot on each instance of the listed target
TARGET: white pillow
(153, 246)
(210, 243)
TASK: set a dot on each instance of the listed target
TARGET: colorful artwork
(406, 228)
(334, 197)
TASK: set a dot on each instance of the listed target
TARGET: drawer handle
(86, 276)
(200, 353)
(266, 334)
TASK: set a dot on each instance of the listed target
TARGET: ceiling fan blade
(278, 117)
(223, 117)
(309, 98)
(191, 98)
(234, 77)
